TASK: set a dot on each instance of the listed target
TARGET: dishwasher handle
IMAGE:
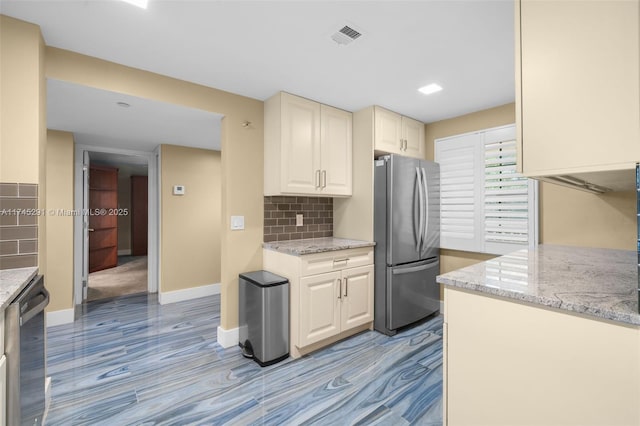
(25, 317)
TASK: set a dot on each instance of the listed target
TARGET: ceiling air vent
(345, 35)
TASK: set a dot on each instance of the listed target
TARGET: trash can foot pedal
(247, 350)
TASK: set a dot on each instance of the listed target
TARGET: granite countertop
(12, 281)
(601, 283)
(315, 245)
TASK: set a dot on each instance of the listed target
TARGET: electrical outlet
(299, 220)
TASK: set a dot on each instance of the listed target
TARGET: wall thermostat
(178, 189)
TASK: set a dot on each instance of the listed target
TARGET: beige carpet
(128, 278)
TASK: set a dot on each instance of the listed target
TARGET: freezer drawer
(412, 292)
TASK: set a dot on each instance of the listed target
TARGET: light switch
(299, 220)
(237, 223)
(178, 189)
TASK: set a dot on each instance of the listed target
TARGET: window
(485, 206)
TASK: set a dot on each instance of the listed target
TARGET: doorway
(116, 241)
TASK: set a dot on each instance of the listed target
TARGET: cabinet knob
(346, 286)
(340, 289)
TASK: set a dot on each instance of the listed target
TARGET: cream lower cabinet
(331, 295)
(512, 363)
(335, 302)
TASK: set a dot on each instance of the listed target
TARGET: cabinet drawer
(312, 264)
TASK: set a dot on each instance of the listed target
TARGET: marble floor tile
(131, 361)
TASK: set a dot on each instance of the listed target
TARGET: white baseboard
(63, 316)
(126, 252)
(442, 306)
(188, 293)
(228, 338)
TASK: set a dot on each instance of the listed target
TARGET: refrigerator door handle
(428, 265)
(426, 207)
(421, 202)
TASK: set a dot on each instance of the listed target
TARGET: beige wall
(353, 216)
(20, 81)
(190, 223)
(23, 112)
(566, 216)
(579, 218)
(59, 239)
(242, 153)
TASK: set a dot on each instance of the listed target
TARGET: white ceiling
(257, 48)
(95, 118)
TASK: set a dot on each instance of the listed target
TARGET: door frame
(153, 216)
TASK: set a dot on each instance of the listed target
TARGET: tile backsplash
(280, 218)
(18, 225)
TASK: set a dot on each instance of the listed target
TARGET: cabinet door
(300, 145)
(319, 307)
(388, 131)
(413, 134)
(357, 297)
(336, 151)
(580, 93)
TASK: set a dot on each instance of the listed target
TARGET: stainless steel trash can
(264, 316)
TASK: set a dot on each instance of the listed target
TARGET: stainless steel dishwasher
(25, 352)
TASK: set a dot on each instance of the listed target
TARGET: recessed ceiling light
(430, 88)
(139, 3)
(123, 104)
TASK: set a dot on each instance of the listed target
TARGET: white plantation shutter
(495, 212)
(459, 201)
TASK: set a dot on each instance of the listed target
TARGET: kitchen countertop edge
(315, 245)
(12, 282)
(623, 315)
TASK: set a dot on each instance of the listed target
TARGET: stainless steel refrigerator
(407, 235)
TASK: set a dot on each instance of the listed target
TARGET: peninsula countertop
(602, 283)
(315, 245)
(12, 282)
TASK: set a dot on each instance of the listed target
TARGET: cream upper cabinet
(388, 131)
(413, 136)
(300, 148)
(578, 88)
(336, 152)
(308, 148)
(396, 134)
